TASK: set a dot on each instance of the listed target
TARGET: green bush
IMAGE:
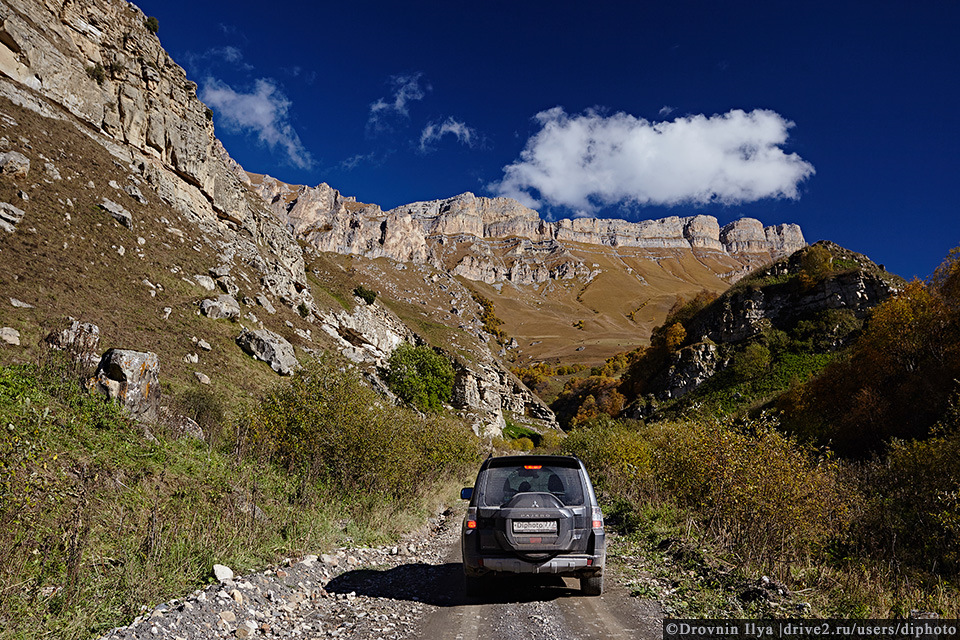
(420, 377)
(96, 520)
(152, 24)
(367, 295)
(335, 434)
(752, 362)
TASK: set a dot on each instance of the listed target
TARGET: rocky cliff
(161, 234)
(97, 66)
(479, 228)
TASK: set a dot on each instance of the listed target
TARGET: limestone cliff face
(465, 234)
(96, 65)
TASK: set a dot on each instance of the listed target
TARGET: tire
(592, 586)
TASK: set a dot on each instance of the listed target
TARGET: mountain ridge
(326, 218)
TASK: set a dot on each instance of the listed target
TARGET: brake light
(471, 524)
(597, 518)
(533, 466)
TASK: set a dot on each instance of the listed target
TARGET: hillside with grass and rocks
(201, 365)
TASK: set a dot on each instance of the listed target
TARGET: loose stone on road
(411, 590)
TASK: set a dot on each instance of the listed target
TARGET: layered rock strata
(477, 228)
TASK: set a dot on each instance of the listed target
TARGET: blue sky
(839, 116)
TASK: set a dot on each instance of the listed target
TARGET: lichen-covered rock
(271, 348)
(81, 340)
(10, 217)
(130, 378)
(224, 306)
(14, 164)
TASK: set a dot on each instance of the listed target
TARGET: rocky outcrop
(130, 378)
(119, 214)
(748, 310)
(14, 164)
(781, 297)
(10, 217)
(483, 389)
(689, 368)
(224, 306)
(368, 334)
(81, 340)
(10, 336)
(271, 348)
(97, 66)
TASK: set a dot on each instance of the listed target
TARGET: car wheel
(592, 586)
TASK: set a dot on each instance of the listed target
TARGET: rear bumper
(579, 565)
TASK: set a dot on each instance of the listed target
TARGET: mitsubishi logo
(535, 505)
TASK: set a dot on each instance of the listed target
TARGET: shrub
(97, 72)
(488, 316)
(585, 398)
(367, 295)
(206, 408)
(752, 362)
(420, 377)
(333, 432)
(115, 68)
(152, 24)
(772, 499)
(535, 376)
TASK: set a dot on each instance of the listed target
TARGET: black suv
(533, 514)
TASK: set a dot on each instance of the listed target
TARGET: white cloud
(666, 110)
(434, 131)
(590, 160)
(264, 112)
(406, 89)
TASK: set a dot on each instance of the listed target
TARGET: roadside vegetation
(801, 481)
(420, 376)
(97, 520)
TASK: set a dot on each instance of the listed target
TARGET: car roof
(508, 461)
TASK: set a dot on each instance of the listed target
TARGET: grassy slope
(65, 261)
(542, 317)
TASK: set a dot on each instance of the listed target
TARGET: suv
(533, 514)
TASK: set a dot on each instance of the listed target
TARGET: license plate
(534, 526)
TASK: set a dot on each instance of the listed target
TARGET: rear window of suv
(504, 482)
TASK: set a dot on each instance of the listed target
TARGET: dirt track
(513, 608)
(413, 590)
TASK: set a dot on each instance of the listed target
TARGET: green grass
(97, 521)
(514, 431)
(723, 394)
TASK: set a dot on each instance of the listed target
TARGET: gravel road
(412, 590)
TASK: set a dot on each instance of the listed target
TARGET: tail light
(471, 524)
(597, 518)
